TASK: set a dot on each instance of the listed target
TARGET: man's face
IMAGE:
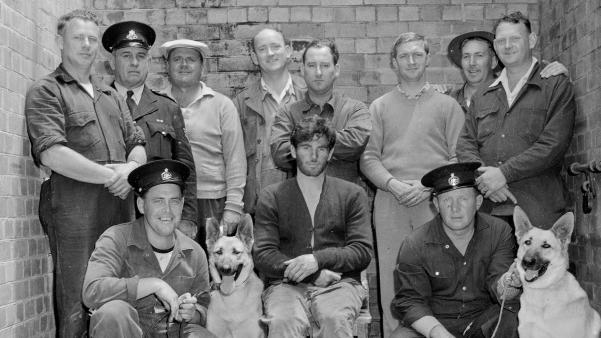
(458, 208)
(162, 208)
(184, 67)
(131, 66)
(411, 61)
(319, 70)
(312, 156)
(476, 61)
(271, 53)
(79, 43)
(513, 44)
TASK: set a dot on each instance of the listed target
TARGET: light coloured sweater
(215, 134)
(410, 137)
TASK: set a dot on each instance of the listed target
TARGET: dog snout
(529, 262)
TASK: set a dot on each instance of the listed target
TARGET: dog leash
(494, 333)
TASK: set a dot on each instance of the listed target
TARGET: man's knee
(114, 318)
(405, 332)
(283, 321)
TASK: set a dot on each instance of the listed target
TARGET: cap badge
(453, 180)
(166, 175)
(132, 35)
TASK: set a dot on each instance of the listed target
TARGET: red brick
(235, 15)
(217, 15)
(321, 14)
(300, 14)
(257, 14)
(387, 14)
(345, 45)
(341, 2)
(344, 14)
(251, 3)
(365, 46)
(365, 13)
(427, 13)
(462, 13)
(277, 14)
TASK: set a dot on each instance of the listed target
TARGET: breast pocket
(82, 130)
(160, 140)
(532, 124)
(441, 273)
(486, 120)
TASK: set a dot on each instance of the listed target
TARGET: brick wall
(571, 33)
(27, 51)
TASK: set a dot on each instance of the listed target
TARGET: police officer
(158, 115)
(146, 278)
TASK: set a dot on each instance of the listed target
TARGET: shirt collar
(204, 91)
(503, 75)
(137, 91)
(308, 103)
(288, 89)
(416, 96)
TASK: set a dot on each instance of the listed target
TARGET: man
(473, 53)
(415, 129)
(158, 115)
(520, 126)
(146, 278)
(81, 130)
(213, 128)
(349, 117)
(312, 240)
(258, 104)
(452, 273)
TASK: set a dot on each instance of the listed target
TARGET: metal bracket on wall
(589, 186)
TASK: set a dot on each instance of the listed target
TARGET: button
(259, 141)
(464, 263)
(502, 135)
(436, 273)
(164, 133)
(464, 288)
(446, 246)
(159, 120)
(500, 162)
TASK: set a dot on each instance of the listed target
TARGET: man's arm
(102, 281)
(553, 142)
(371, 159)
(235, 162)
(266, 252)
(280, 138)
(453, 127)
(502, 258)
(183, 152)
(355, 255)
(352, 139)
(74, 165)
(467, 143)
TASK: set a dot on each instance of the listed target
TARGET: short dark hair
(82, 14)
(310, 127)
(515, 18)
(407, 37)
(321, 44)
(277, 30)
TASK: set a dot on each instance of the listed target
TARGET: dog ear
(245, 231)
(213, 234)
(562, 229)
(521, 221)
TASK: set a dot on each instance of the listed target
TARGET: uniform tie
(131, 104)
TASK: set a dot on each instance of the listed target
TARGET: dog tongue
(227, 284)
(530, 275)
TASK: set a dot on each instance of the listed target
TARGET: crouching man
(452, 272)
(312, 240)
(146, 278)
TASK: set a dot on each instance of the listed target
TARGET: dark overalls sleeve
(183, 152)
(280, 138)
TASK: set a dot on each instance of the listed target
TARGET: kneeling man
(312, 240)
(452, 272)
(146, 278)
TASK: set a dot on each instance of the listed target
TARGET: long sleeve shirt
(432, 278)
(123, 256)
(349, 117)
(527, 141)
(410, 137)
(213, 128)
(341, 233)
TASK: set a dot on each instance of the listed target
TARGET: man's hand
(230, 219)
(439, 331)
(399, 190)
(189, 228)
(300, 267)
(169, 298)
(417, 193)
(187, 308)
(553, 69)
(118, 184)
(327, 278)
(490, 180)
(512, 277)
(502, 195)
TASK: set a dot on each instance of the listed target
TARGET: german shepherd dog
(553, 305)
(235, 309)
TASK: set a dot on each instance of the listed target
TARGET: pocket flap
(160, 127)
(80, 119)
(485, 112)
